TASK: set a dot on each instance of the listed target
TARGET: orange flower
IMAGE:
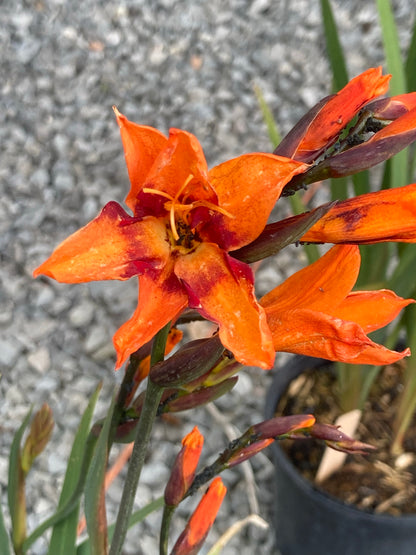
(185, 221)
(387, 215)
(200, 523)
(320, 127)
(315, 313)
(183, 471)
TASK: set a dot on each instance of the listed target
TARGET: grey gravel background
(164, 63)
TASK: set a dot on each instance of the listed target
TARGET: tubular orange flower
(388, 215)
(200, 523)
(314, 312)
(186, 220)
(183, 471)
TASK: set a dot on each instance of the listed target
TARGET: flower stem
(144, 427)
(164, 530)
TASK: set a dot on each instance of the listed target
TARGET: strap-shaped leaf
(95, 492)
(14, 480)
(65, 532)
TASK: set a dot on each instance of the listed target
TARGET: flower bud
(200, 523)
(183, 471)
(190, 362)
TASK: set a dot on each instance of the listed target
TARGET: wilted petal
(112, 246)
(247, 187)
(372, 310)
(141, 145)
(393, 107)
(321, 285)
(161, 299)
(222, 289)
(200, 523)
(339, 111)
(387, 215)
(320, 335)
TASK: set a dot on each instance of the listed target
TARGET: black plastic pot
(308, 521)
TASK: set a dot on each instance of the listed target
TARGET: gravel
(166, 63)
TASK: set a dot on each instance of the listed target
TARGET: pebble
(40, 360)
(82, 315)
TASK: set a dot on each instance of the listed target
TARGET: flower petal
(247, 187)
(161, 299)
(315, 334)
(371, 309)
(340, 110)
(383, 145)
(141, 144)
(320, 286)
(221, 288)
(388, 215)
(112, 246)
(182, 156)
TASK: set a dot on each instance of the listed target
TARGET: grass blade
(410, 65)
(399, 164)
(15, 491)
(64, 533)
(269, 120)
(95, 492)
(333, 47)
(138, 516)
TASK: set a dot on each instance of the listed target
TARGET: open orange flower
(185, 221)
(315, 313)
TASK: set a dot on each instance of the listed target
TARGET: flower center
(179, 210)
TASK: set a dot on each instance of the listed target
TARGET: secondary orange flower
(315, 313)
(183, 471)
(185, 221)
(320, 127)
(200, 523)
(387, 215)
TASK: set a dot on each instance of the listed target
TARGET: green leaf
(64, 533)
(94, 490)
(402, 281)
(399, 164)
(14, 480)
(333, 47)
(272, 130)
(138, 516)
(392, 48)
(411, 63)
(4, 536)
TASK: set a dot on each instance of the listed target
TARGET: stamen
(175, 206)
(214, 207)
(156, 192)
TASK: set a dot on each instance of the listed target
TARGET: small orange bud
(184, 468)
(200, 523)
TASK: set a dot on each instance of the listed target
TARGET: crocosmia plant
(190, 234)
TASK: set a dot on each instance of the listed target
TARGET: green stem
(144, 427)
(164, 529)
